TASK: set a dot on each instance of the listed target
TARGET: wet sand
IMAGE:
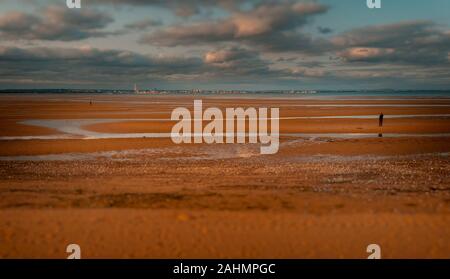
(431, 125)
(318, 197)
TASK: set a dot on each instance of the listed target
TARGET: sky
(225, 44)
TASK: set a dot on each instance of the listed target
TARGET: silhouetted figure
(90, 102)
(380, 123)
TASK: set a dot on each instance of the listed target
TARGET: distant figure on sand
(380, 120)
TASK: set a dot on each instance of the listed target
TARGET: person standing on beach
(380, 120)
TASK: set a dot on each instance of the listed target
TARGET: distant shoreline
(238, 93)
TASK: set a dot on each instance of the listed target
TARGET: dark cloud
(78, 65)
(143, 25)
(324, 30)
(291, 41)
(185, 7)
(286, 59)
(54, 23)
(90, 67)
(93, 66)
(236, 61)
(269, 26)
(412, 42)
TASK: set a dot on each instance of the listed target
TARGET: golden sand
(148, 198)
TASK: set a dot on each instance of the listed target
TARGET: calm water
(387, 94)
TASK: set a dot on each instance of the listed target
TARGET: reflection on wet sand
(73, 128)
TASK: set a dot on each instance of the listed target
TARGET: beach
(101, 172)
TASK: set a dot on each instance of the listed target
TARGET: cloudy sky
(225, 44)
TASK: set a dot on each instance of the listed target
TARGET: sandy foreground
(318, 197)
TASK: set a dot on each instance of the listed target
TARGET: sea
(306, 94)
